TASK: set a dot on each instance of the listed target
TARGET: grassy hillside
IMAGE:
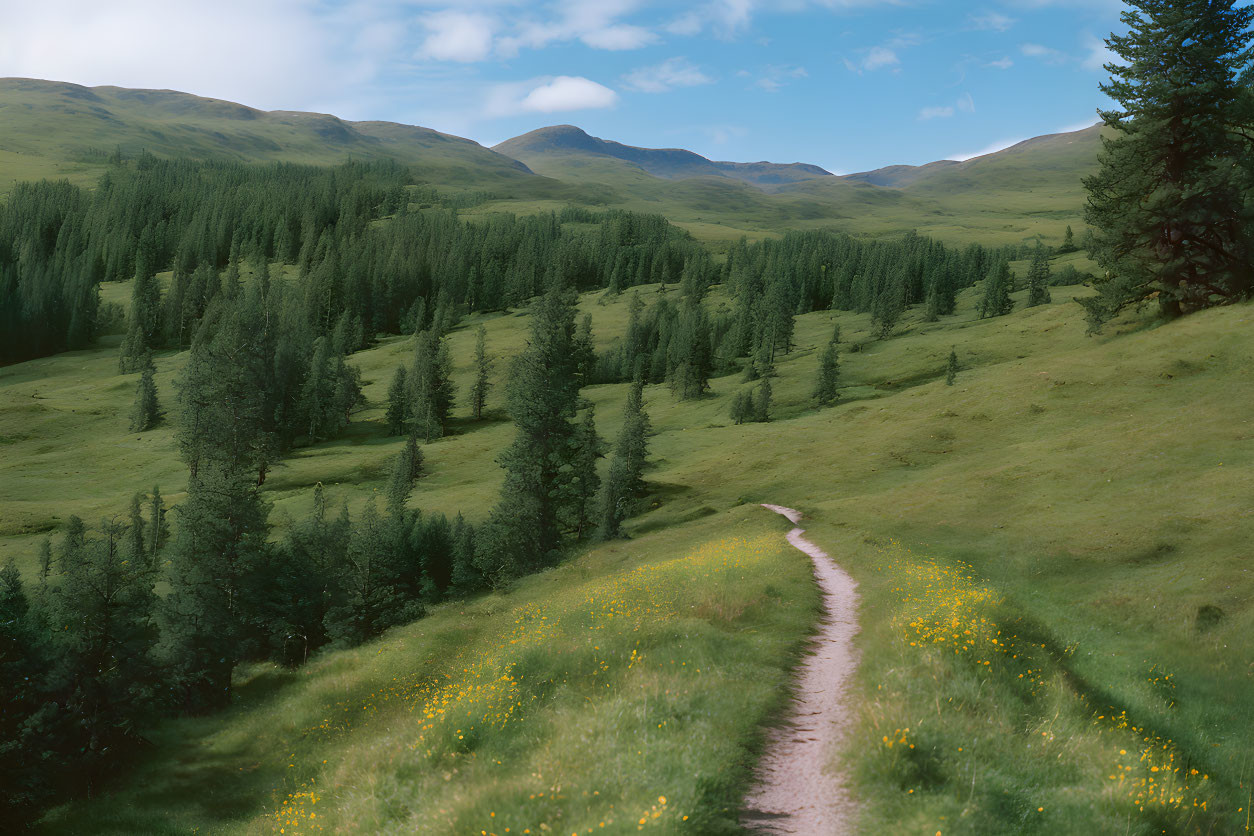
(667, 163)
(54, 130)
(1051, 554)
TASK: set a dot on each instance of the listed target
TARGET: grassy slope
(1094, 485)
(51, 129)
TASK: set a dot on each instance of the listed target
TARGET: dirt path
(794, 791)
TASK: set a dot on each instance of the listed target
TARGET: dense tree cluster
(1170, 206)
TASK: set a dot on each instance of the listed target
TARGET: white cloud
(965, 104)
(875, 58)
(1099, 54)
(1001, 64)
(548, 95)
(671, 73)
(1000, 145)
(991, 21)
(618, 37)
(773, 78)
(457, 36)
(312, 55)
(1046, 53)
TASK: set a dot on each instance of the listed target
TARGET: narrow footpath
(795, 789)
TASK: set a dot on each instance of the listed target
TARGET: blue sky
(845, 84)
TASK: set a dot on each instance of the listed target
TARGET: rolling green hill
(1028, 192)
(56, 129)
(1080, 495)
(668, 163)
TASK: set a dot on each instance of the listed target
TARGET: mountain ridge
(667, 163)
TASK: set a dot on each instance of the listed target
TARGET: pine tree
(144, 321)
(406, 468)
(157, 531)
(483, 368)
(585, 482)
(1038, 279)
(135, 547)
(825, 386)
(523, 532)
(147, 410)
(28, 777)
(951, 368)
(762, 401)
(890, 304)
(996, 300)
(398, 402)
(625, 484)
(585, 352)
(430, 386)
(217, 558)
(104, 681)
(1068, 242)
(1168, 208)
(742, 408)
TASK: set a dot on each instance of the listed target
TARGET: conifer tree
(890, 304)
(147, 410)
(406, 468)
(1038, 279)
(523, 532)
(144, 321)
(483, 368)
(135, 546)
(467, 579)
(825, 386)
(27, 776)
(625, 483)
(156, 524)
(762, 401)
(996, 300)
(1169, 208)
(1068, 242)
(742, 408)
(951, 368)
(585, 352)
(104, 680)
(585, 482)
(398, 402)
(430, 386)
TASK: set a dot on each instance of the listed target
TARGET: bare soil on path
(795, 789)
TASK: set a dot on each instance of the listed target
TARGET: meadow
(1074, 511)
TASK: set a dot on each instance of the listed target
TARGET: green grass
(629, 686)
(1096, 487)
(57, 130)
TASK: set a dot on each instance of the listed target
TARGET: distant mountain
(1033, 158)
(548, 144)
(50, 127)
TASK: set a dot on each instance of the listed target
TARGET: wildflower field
(972, 719)
(623, 692)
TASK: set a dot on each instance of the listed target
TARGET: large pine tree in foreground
(1168, 206)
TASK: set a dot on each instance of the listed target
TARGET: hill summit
(668, 163)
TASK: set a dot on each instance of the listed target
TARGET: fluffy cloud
(1045, 53)
(1099, 54)
(672, 73)
(457, 36)
(965, 104)
(313, 55)
(1001, 63)
(991, 21)
(548, 95)
(875, 58)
